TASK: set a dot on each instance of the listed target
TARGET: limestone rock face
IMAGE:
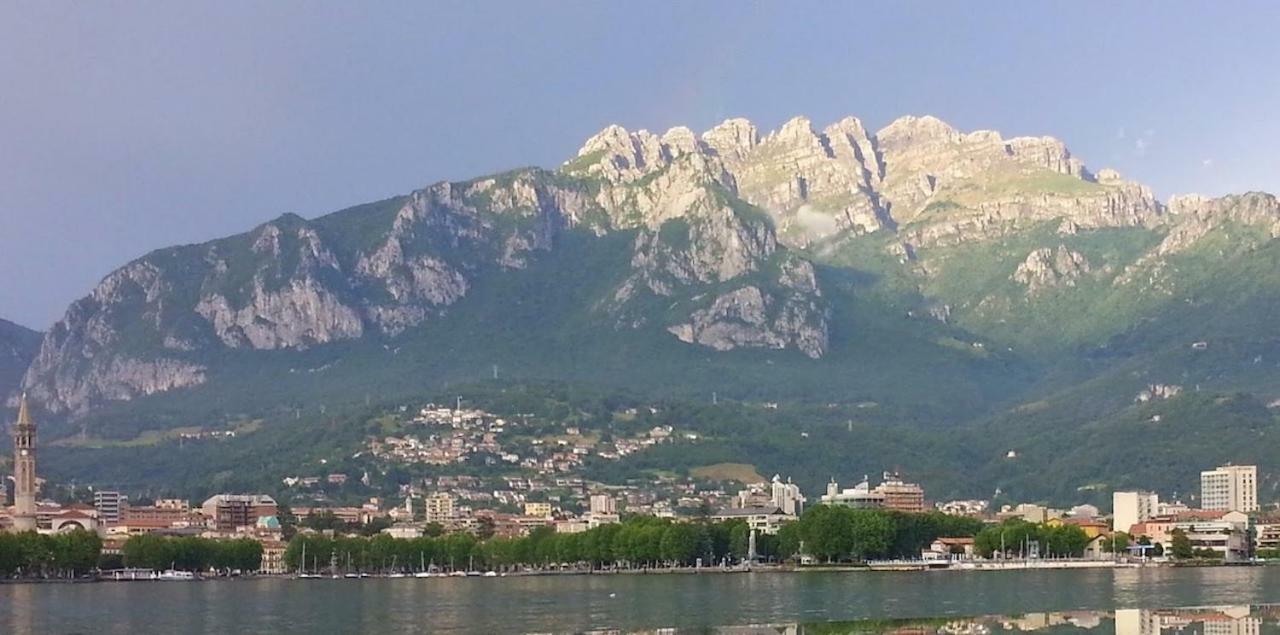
(1045, 268)
(721, 227)
(918, 176)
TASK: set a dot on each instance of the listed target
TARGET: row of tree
(191, 553)
(1017, 538)
(30, 554)
(637, 542)
(832, 534)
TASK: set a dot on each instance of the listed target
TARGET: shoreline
(893, 567)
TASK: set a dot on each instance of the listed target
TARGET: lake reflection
(1217, 620)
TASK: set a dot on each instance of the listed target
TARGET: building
(859, 496)
(1230, 488)
(110, 505)
(603, 504)
(273, 557)
(404, 530)
(900, 495)
(765, 520)
(228, 512)
(537, 510)
(438, 508)
(785, 496)
(24, 469)
(1131, 508)
(960, 548)
(1266, 533)
(1229, 535)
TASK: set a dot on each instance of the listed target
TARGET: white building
(603, 504)
(860, 496)
(1230, 488)
(110, 505)
(1131, 508)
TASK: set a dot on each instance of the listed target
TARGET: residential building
(900, 495)
(960, 548)
(110, 505)
(1266, 532)
(273, 557)
(1130, 508)
(404, 530)
(1228, 536)
(228, 512)
(438, 508)
(603, 504)
(1230, 488)
(537, 510)
(785, 496)
(765, 520)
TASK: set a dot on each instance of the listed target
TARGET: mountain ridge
(738, 241)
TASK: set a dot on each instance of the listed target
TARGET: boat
(173, 574)
(490, 574)
(302, 573)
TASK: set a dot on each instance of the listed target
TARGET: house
(960, 548)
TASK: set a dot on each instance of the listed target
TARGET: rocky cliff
(730, 232)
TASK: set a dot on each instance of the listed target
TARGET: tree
(1180, 545)
(679, 543)
(1117, 542)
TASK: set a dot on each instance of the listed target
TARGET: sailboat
(395, 573)
(422, 567)
(302, 568)
(350, 573)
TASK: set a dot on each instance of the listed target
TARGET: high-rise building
(1230, 488)
(110, 505)
(1131, 508)
(900, 495)
(438, 508)
(786, 496)
(603, 504)
(24, 470)
(229, 512)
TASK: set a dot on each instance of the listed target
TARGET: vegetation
(637, 542)
(191, 553)
(65, 555)
(1015, 539)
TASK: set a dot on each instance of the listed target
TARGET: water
(621, 602)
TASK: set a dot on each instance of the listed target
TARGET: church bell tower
(24, 470)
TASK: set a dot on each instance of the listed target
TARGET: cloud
(1208, 163)
(1120, 133)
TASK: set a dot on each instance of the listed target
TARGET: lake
(625, 603)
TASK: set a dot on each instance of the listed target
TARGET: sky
(131, 126)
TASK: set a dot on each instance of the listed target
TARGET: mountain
(942, 275)
(18, 346)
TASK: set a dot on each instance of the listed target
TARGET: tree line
(642, 541)
(1017, 538)
(192, 553)
(64, 555)
(832, 534)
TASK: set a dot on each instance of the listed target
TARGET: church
(25, 514)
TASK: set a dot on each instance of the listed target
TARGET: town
(761, 523)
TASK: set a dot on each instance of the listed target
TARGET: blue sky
(129, 126)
